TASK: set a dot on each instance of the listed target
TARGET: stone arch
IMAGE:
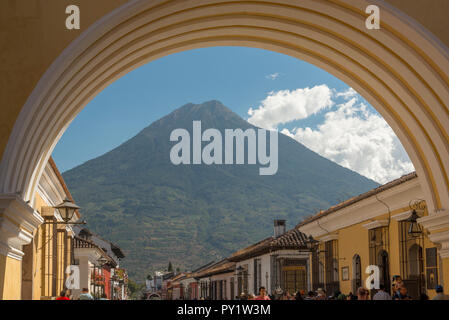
(407, 85)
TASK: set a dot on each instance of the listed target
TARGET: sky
(270, 90)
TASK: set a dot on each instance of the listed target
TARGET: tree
(170, 267)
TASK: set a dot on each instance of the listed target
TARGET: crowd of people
(399, 292)
(85, 295)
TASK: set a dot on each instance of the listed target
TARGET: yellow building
(374, 229)
(33, 264)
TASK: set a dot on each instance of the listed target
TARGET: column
(18, 223)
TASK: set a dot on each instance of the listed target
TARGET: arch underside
(388, 67)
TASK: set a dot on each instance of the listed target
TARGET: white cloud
(286, 106)
(350, 135)
(273, 76)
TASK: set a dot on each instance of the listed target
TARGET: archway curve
(408, 86)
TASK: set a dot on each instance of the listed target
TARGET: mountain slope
(190, 214)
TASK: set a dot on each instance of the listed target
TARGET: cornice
(18, 222)
(442, 238)
(375, 224)
(402, 216)
(435, 221)
(396, 198)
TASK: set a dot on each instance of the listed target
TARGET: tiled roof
(358, 198)
(223, 266)
(80, 243)
(292, 239)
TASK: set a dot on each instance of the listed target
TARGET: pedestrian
(397, 283)
(321, 294)
(85, 295)
(336, 294)
(310, 295)
(262, 294)
(382, 294)
(341, 296)
(362, 294)
(298, 296)
(63, 295)
(440, 293)
(402, 293)
(423, 296)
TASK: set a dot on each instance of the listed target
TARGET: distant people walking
(402, 293)
(321, 294)
(298, 296)
(351, 296)
(85, 295)
(310, 296)
(341, 296)
(440, 293)
(362, 294)
(423, 296)
(63, 295)
(382, 294)
(262, 294)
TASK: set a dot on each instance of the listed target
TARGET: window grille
(331, 266)
(378, 254)
(411, 260)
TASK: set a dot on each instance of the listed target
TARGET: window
(257, 275)
(295, 278)
(411, 260)
(317, 271)
(331, 266)
(378, 254)
(431, 267)
(242, 280)
(356, 273)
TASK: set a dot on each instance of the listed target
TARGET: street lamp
(102, 261)
(239, 269)
(414, 229)
(311, 243)
(67, 210)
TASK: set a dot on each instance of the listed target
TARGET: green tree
(170, 267)
(135, 290)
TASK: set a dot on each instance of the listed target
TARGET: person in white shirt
(382, 294)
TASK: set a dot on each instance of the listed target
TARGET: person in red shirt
(262, 294)
(63, 296)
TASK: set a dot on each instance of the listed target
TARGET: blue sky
(241, 78)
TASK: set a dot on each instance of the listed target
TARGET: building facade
(33, 265)
(279, 263)
(374, 229)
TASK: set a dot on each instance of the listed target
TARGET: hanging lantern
(311, 243)
(414, 228)
(67, 209)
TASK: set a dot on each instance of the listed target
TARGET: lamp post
(311, 243)
(414, 229)
(67, 210)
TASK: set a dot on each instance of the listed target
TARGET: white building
(279, 263)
